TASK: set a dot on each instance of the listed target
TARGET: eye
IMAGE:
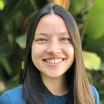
(65, 39)
(41, 40)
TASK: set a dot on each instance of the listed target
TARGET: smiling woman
(54, 69)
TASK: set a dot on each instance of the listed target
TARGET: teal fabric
(14, 96)
(52, 99)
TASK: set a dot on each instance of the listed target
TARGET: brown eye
(65, 39)
(41, 40)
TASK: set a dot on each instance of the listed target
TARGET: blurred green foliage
(14, 18)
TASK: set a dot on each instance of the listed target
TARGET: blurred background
(14, 18)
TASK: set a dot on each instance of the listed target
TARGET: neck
(57, 86)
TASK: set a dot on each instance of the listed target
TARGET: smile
(53, 61)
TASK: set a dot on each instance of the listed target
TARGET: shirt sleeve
(96, 95)
(97, 101)
(4, 99)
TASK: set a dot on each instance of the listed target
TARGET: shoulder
(13, 96)
(95, 94)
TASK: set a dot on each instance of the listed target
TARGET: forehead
(51, 23)
(51, 17)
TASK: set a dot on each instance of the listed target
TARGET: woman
(54, 69)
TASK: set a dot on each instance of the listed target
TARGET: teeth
(54, 61)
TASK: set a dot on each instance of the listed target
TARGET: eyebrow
(45, 34)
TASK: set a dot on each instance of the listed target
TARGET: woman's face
(52, 50)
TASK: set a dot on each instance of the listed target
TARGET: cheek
(37, 51)
(35, 56)
(34, 52)
(69, 49)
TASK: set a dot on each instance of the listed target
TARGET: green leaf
(2, 4)
(96, 45)
(94, 23)
(6, 65)
(30, 8)
(102, 66)
(21, 41)
(76, 6)
(91, 60)
(33, 4)
(5, 46)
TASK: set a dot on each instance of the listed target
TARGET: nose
(53, 48)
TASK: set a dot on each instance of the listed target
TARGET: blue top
(15, 96)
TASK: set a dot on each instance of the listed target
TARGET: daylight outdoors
(14, 18)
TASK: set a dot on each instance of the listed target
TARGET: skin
(52, 52)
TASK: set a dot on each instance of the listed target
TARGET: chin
(55, 76)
